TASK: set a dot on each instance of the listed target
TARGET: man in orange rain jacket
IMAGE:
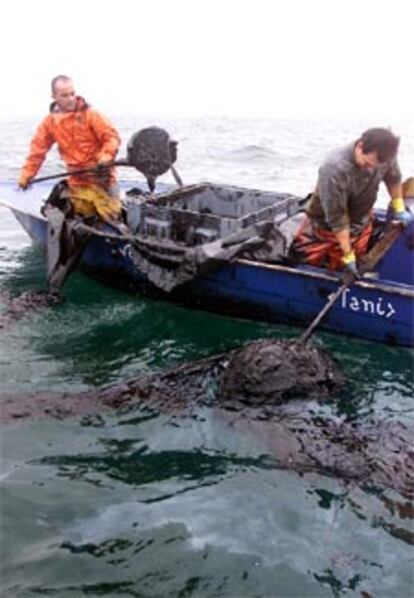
(85, 139)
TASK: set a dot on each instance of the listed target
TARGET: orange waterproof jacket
(84, 138)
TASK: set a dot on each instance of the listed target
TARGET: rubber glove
(400, 214)
(103, 171)
(350, 265)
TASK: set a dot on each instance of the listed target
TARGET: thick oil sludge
(17, 308)
(269, 388)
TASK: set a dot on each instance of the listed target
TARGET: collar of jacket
(81, 105)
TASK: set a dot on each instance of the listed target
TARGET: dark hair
(63, 78)
(381, 141)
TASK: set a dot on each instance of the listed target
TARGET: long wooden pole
(80, 171)
(368, 262)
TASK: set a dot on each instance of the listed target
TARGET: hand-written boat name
(126, 251)
(377, 307)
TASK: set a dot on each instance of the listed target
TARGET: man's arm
(107, 135)
(334, 190)
(348, 255)
(344, 239)
(395, 190)
(39, 146)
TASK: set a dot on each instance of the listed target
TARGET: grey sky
(257, 58)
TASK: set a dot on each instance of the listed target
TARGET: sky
(237, 58)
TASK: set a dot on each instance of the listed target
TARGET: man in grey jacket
(338, 224)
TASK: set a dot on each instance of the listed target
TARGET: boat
(379, 307)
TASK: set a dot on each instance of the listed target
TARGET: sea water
(133, 503)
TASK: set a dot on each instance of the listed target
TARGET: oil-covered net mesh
(152, 152)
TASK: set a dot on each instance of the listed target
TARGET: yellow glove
(349, 257)
(400, 213)
(397, 205)
(24, 181)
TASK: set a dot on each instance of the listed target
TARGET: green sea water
(135, 503)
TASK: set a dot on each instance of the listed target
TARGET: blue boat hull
(379, 310)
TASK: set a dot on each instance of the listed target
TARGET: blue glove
(405, 217)
(400, 214)
(352, 268)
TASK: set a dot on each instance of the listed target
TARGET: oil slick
(279, 409)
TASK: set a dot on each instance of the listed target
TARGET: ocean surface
(131, 504)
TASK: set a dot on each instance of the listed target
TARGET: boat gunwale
(391, 287)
